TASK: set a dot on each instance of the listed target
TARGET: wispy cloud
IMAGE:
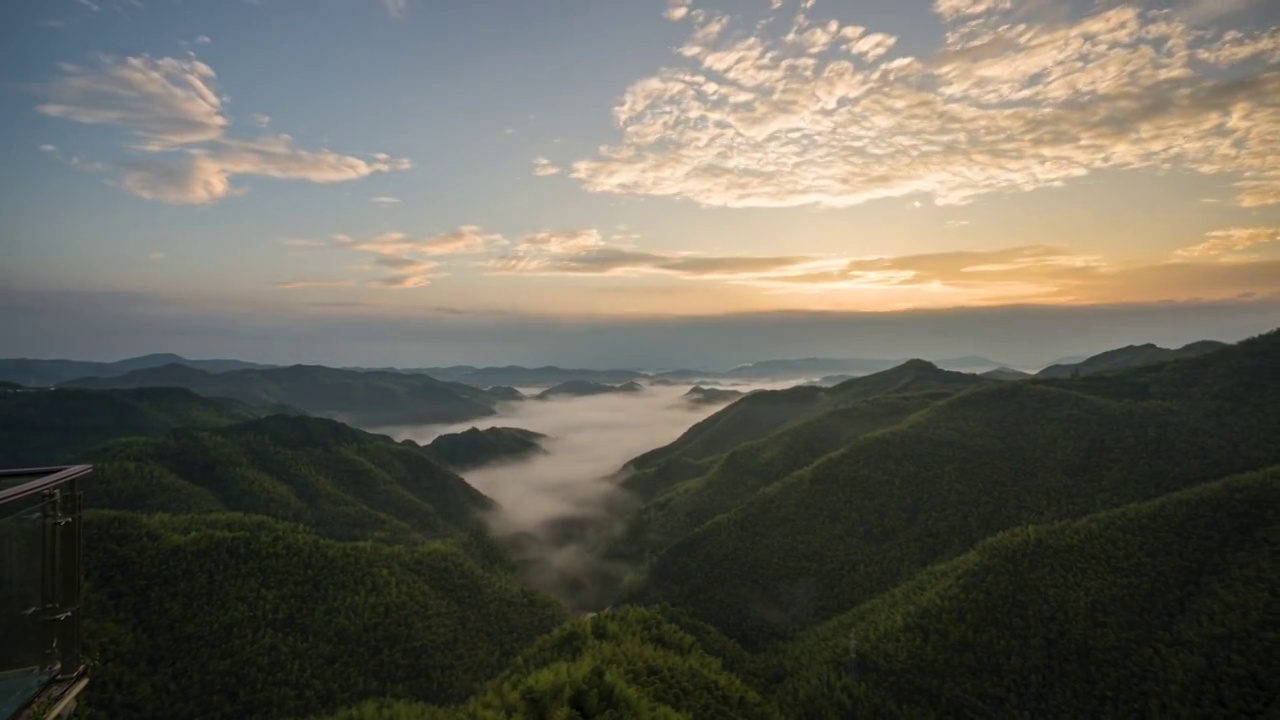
(1231, 240)
(543, 167)
(677, 9)
(1020, 96)
(173, 109)
(414, 260)
(260, 119)
(584, 253)
(384, 200)
(396, 8)
(156, 256)
(203, 40)
(164, 102)
(464, 239)
(300, 284)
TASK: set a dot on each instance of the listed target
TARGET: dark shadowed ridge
(474, 447)
(48, 427)
(46, 373)
(1129, 357)
(369, 399)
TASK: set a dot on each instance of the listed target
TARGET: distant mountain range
(47, 373)
(1129, 357)
(366, 399)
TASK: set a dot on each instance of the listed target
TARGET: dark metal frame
(62, 575)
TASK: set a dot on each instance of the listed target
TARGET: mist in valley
(558, 510)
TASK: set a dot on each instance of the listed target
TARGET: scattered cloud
(396, 8)
(410, 258)
(156, 256)
(464, 239)
(561, 241)
(543, 167)
(384, 200)
(299, 284)
(584, 253)
(1231, 240)
(165, 102)
(260, 119)
(677, 9)
(173, 110)
(957, 223)
(1020, 96)
(203, 40)
(48, 148)
(201, 176)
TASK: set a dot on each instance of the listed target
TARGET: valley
(669, 558)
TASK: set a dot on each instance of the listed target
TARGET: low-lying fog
(589, 440)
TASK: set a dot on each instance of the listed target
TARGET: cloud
(203, 40)
(403, 281)
(543, 167)
(464, 239)
(1019, 96)
(166, 102)
(396, 8)
(676, 9)
(303, 243)
(584, 253)
(172, 107)
(260, 119)
(561, 241)
(201, 176)
(404, 254)
(48, 148)
(384, 200)
(299, 284)
(1231, 240)
(156, 256)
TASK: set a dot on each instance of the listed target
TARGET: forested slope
(345, 483)
(888, 504)
(238, 616)
(761, 414)
(47, 427)
(1160, 609)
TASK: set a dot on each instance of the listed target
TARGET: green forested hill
(238, 617)
(368, 399)
(475, 447)
(48, 427)
(343, 482)
(1160, 609)
(761, 414)
(866, 517)
(1129, 357)
(624, 664)
(738, 475)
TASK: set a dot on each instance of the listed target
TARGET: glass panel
(26, 660)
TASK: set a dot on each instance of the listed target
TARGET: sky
(640, 183)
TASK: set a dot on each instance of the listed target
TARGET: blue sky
(325, 163)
